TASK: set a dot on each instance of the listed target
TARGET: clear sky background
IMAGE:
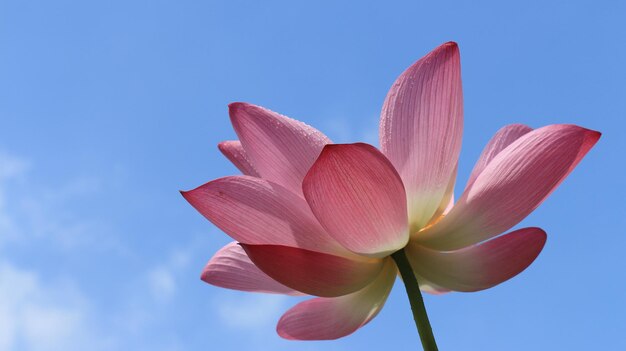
(108, 108)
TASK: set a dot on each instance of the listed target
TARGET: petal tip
(590, 134)
(223, 145)
(451, 45)
(590, 138)
(237, 110)
(448, 47)
(192, 196)
(207, 275)
(204, 276)
(280, 330)
(234, 106)
(189, 195)
(593, 135)
(542, 236)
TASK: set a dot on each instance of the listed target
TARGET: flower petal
(332, 318)
(313, 272)
(480, 266)
(281, 149)
(235, 153)
(421, 127)
(429, 287)
(447, 202)
(511, 186)
(358, 197)
(231, 268)
(255, 211)
(503, 138)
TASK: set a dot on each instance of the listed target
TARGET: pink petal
(511, 186)
(447, 202)
(480, 266)
(450, 204)
(234, 152)
(255, 211)
(332, 318)
(503, 138)
(356, 194)
(231, 268)
(421, 127)
(313, 272)
(281, 149)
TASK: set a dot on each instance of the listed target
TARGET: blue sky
(107, 109)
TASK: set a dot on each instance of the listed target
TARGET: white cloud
(42, 316)
(36, 314)
(41, 311)
(45, 214)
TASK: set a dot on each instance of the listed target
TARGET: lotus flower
(316, 218)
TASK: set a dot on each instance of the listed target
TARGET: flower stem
(417, 302)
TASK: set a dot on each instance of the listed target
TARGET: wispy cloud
(31, 212)
(11, 167)
(45, 316)
(43, 309)
(162, 279)
(36, 313)
(162, 284)
(341, 129)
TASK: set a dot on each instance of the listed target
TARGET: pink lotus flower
(322, 219)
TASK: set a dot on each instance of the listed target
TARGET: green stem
(417, 302)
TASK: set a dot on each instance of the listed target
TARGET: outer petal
(231, 268)
(421, 127)
(281, 149)
(503, 138)
(313, 272)
(357, 195)
(430, 287)
(332, 318)
(255, 211)
(480, 266)
(234, 152)
(512, 185)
